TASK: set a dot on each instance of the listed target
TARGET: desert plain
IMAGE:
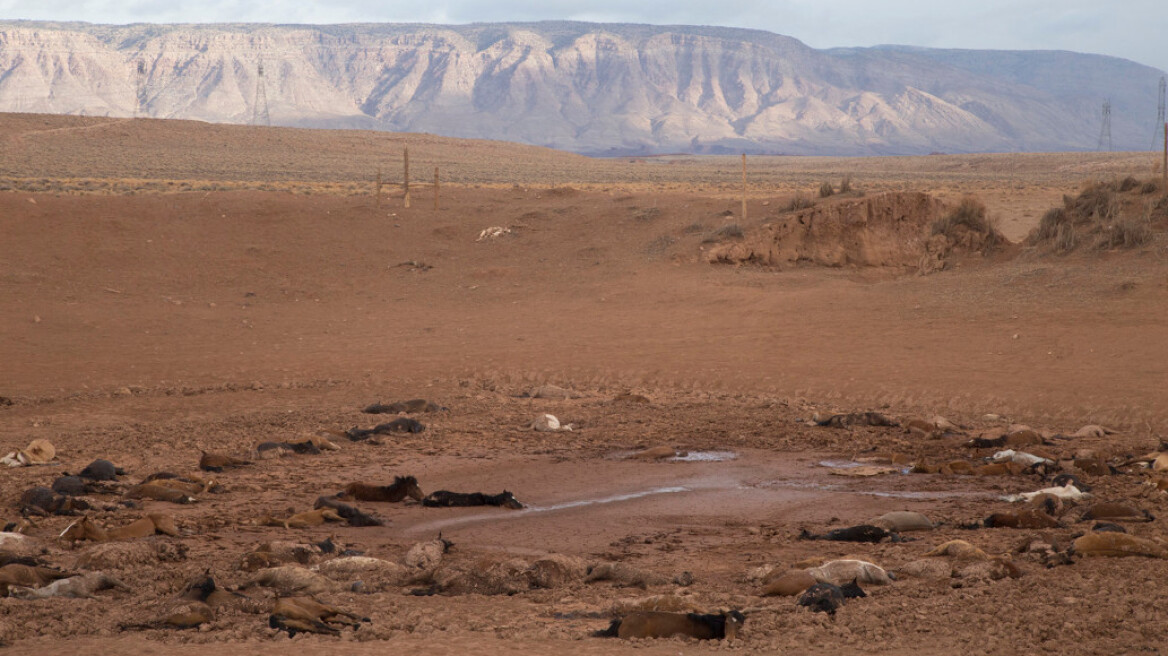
(169, 288)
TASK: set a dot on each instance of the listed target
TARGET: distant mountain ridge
(584, 87)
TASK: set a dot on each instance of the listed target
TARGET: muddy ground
(145, 329)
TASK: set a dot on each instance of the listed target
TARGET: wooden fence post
(435, 188)
(378, 187)
(406, 177)
(744, 186)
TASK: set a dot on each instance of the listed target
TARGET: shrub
(1149, 187)
(846, 184)
(826, 190)
(1096, 202)
(1128, 183)
(1126, 233)
(970, 213)
(800, 202)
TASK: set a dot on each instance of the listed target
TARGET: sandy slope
(213, 287)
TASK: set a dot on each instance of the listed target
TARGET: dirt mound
(1107, 215)
(908, 230)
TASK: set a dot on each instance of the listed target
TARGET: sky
(1132, 29)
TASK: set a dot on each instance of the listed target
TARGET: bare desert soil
(147, 327)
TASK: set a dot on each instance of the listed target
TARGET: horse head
(78, 530)
(413, 490)
(509, 501)
(734, 621)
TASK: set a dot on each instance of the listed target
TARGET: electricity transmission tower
(1105, 132)
(260, 108)
(140, 89)
(1158, 137)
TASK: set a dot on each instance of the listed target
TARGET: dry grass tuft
(970, 214)
(1127, 232)
(799, 202)
(826, 190)
(1053, 221)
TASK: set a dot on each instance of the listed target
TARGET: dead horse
(445, 499)
(658, 624)
(860, 533)
(402, 487)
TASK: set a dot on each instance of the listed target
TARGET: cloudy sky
(1133, 29)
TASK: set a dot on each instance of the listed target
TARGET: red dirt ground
(144, 329)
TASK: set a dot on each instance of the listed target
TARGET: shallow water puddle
(705, 456)
(530, 510)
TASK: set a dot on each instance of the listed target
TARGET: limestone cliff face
(584, 87)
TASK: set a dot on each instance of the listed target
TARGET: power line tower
(260, 108)
(140, 89)
(1105, 132)
(1158, 137)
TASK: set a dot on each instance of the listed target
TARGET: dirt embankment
(895, 229)
(1122, 214)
